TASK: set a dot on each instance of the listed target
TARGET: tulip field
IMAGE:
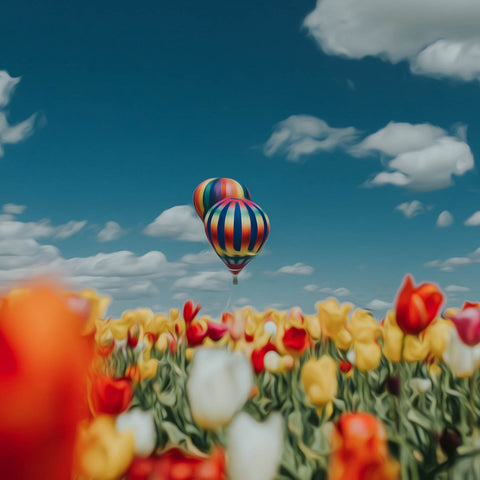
(335, 395)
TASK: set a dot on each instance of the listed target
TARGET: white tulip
(218, 386)
(142, 424)
(271, 361)
(459, 357)
(351, 356)
(254, 449)
(271, 328)
(420, 385)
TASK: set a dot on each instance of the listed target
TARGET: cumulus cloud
(111, 231)
(452, 263)
(204, 257)
(10, 134)
(213, 281)
(337, 292)
(178, 223)
(69, 229)
(437, 37)
(445, 219)
(12, 209)
(473, 220)
(456, 289)
(410, 209)
(298, 268)
(301, 135)
(376, 305)
(425, 157)
(311, 288)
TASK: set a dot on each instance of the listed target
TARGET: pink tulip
(467, 323)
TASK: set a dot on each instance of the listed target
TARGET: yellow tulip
(313, 326)
(319, 379)
(415, 349)
(436, 335)
(148, 369)
(363, 327)
(101, 452)
(98, 306)
(119, 330)
(332, 316)
(162, 343)
(333, 320)
(367, 355)
(393, 338)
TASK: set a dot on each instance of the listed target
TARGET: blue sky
(353, 126)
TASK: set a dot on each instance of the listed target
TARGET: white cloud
(445, 219)
(204, 257)
(14, 229)
(425, 157)
(338, 292)
(12, 209)
(298, 268)
(450, 264)
(111, 231)
(69, 229)
(474, 220)
(7, 85)
(179, 223)
(300, 135)
(10, 134)
(213, 281)
(376, 305)
(410, 209)
(437, 37)
(456, 288)
(311, 288)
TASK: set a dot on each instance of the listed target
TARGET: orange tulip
(360, 450)
(417, 307)
(43, 367)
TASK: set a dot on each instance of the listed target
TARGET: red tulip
(216, 331)
(345, 366)
(133, 335)
(295, 340)
(258, 357)
(417, 307)
(110, 396)
(190, 312)
(467, 323)
(195, 334)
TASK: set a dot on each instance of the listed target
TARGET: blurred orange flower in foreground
(43, 367)
(360, 450)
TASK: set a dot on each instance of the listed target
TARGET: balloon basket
(235, 280)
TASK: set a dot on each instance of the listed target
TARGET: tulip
(109, 395)
(417, 307)
(333, 320)
(142, 425)
(415, 349)
(218, 386)
(216, 331)
(319, 379)
(460, 358)
(254, 449)
(196, 333)
(364, 329)
(148, 369)
(420, 385)
(450, 439)
(43, 370)
(190, 311)
(345, 366)
(258, 357)
(392, 338)
(436, 335)
(295, 340)
(102, 453)
(360, 450)
(467, 323)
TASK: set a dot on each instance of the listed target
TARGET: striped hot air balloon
(211, 191)
(237, 229)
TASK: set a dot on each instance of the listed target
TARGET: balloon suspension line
(228, 303)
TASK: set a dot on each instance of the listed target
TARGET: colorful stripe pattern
(237, 229)
(211, 191)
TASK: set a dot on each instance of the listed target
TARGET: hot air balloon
(237, 229)
(211, 191)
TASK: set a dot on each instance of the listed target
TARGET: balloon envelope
(211, 191)
(237, 229)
